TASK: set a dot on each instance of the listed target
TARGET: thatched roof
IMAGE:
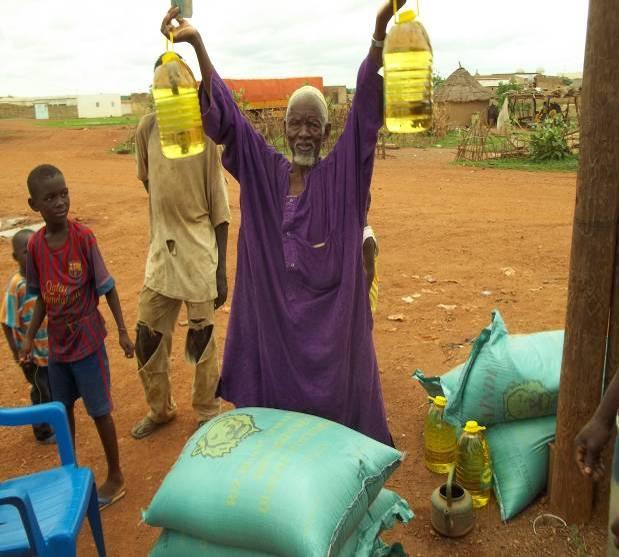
(461, 87)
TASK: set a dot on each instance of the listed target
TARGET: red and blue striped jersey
(70, 280)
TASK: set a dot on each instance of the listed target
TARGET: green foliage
(548, 140)
(504, 88)
(567, 81)
(568, 164)
(437, 81)
(89, 122)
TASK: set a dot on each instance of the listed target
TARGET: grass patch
(89, 122)
(424, 140)
(569, 164)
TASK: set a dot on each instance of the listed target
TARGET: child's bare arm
(8, 333)
(596, 433)
(123, 337)
(38, 315)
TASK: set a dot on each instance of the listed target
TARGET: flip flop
(145, 427)
(105, 502)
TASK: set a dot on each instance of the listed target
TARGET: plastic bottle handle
(395, 8)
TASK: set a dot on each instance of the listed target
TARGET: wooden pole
(592, 260)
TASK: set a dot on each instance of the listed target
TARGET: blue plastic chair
(42, 514)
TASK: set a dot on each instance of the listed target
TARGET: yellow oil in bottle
(178, 109)
(180, 122)
(407, 62)
(439, 439)
(473, 466)
(408, 91)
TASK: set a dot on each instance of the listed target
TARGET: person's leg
(71, 418)
(40, 394)
(42, 432)
(156, 318)
(63, 389)
(115, 481)
(201, 350)
(92, 376)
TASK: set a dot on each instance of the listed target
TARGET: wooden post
(592, 263)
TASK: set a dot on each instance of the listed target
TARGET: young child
(66, 271)
(15, 316)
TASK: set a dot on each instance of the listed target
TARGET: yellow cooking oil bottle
(473, 465)
(407, 63)
(440, 439)
(177, 107)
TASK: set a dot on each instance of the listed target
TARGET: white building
(98, 106)
(70, 106)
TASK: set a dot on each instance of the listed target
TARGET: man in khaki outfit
(189, 215)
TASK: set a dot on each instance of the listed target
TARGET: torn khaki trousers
(159, 314)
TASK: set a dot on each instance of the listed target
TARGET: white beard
(304, 160)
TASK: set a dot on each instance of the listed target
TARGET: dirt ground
(463, 227)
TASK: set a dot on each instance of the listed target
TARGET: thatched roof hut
(462, 96)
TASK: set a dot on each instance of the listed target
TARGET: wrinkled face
(306, 130)
(51, 199)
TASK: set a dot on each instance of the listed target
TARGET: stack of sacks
(257, 482)
(509, 383)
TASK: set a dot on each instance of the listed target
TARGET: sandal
(145, 427)
(105, 502)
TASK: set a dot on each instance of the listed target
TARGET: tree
(437, 81)
(504, 89)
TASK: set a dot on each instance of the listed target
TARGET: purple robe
(300, 330)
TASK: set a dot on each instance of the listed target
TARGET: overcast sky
(65, 46)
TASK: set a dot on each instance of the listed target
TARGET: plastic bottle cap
(169, 56)
(439, 401)
(473, 427)
(405, 16)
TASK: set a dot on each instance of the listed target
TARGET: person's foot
(110, 492)
(145, 427)
(49, 440)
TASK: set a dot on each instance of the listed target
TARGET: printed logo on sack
(224, 435)
(75, 269)
(529, 400)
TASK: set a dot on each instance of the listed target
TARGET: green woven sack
(508, 377)
(443, 385)
(364, 542)
(274, 482)
(519, 452)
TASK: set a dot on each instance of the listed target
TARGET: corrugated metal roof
(270, 93)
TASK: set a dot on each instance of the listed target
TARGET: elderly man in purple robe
(300, 330)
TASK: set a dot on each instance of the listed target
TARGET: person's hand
(25, 354)
(589, 444)
(222, 288)
(184, 32)
(386, 11)
(126, 344)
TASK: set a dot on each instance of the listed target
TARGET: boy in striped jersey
(66, 271)
(15, 316)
